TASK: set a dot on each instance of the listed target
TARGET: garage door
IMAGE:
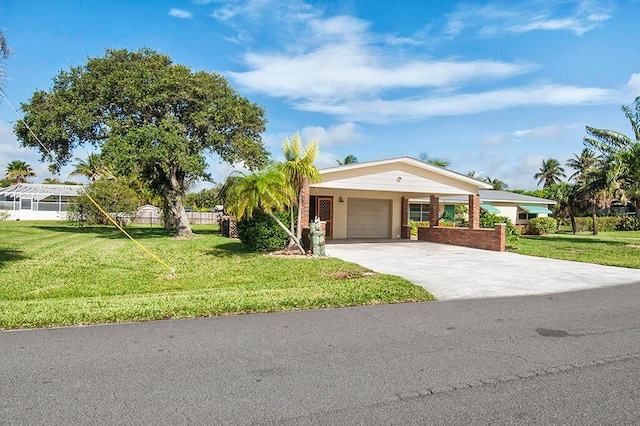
(368, 218)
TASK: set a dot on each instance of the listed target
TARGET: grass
(618, 248)
(53, 274)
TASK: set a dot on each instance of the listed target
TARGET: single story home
(26, 201)
(518, 208)
(371, 200)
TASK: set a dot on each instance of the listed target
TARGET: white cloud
(497, 18)
(179, 13)
(339, 134)
(495, 139)
(379, 110)
(634, 84)
(546, 132)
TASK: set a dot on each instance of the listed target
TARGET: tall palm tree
(621, 154)
(299, 170)
(550, 172)
(349, 159)
(4, 53)
(92, 168)
(18, 171)
(267, 189)
(497, 183)
(436, 161)
(582, 164)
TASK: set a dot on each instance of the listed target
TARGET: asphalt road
(570, 358)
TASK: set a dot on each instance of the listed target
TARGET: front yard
(618, 248)
(53, 274)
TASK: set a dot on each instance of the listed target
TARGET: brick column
(304, 220)
(405, 229)
(474, 211)
(434, 211)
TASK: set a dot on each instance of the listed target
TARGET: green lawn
(619, 248)
(53, 274)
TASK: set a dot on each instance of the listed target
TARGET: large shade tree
(18, 172)
(152, 119)
(550, 172)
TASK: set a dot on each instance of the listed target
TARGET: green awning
(490, 208)
(532, 208)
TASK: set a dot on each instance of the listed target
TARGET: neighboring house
(26, 201)
(518, 208)
(371, 200)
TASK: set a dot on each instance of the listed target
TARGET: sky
(493, 87)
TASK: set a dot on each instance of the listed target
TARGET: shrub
(542, 226)
(114, 196)
(605, 223)
(628, 223)
(261, 233)
(489, 220)
(4, 215)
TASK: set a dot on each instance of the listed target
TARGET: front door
(324, 210)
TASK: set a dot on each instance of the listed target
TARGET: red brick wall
(474, 211)
(434, 210)
(405, 229)
(305, 207)
(487, 239)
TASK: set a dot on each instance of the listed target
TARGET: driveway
(452, 272)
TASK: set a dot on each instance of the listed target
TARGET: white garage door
(368, 218)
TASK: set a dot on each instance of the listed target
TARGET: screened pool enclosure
(26, 201)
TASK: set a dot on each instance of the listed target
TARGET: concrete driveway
(452, 272)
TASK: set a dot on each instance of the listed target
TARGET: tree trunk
(299, 227)
(174, 200)
(637, 204)
(292, 228)
(183, 229)
(572, 215)
(594, 216)
(288, 231)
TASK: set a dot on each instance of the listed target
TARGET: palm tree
(52, 181)
(4, 53)
(299, 170)
(18, 172)
(566, 196)
(497, 183)
(349, 159)
(582, 164)
(436, 161)
(550, 172)
(92, 168)
(267, 189)
(621, 155)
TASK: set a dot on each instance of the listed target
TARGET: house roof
(496, 196)
(399, 174)
(41, 191)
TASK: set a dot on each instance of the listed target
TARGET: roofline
(411, 161)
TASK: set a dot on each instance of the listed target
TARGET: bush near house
(489, 220)
(261, 233)
(628, 223)
(605, 223)
(541, 226)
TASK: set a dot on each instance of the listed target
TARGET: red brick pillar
(474, 211)
(434, 211)
(405, 229)
(304, 221)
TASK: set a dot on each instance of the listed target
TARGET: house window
(527, 216)
(419, 212)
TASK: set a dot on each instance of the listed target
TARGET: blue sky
(494, 87)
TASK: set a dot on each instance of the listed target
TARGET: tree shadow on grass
(110, 232)
(582, 240)
(229, 249)
(7, 256)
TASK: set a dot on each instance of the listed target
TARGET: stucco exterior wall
(35, 215)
